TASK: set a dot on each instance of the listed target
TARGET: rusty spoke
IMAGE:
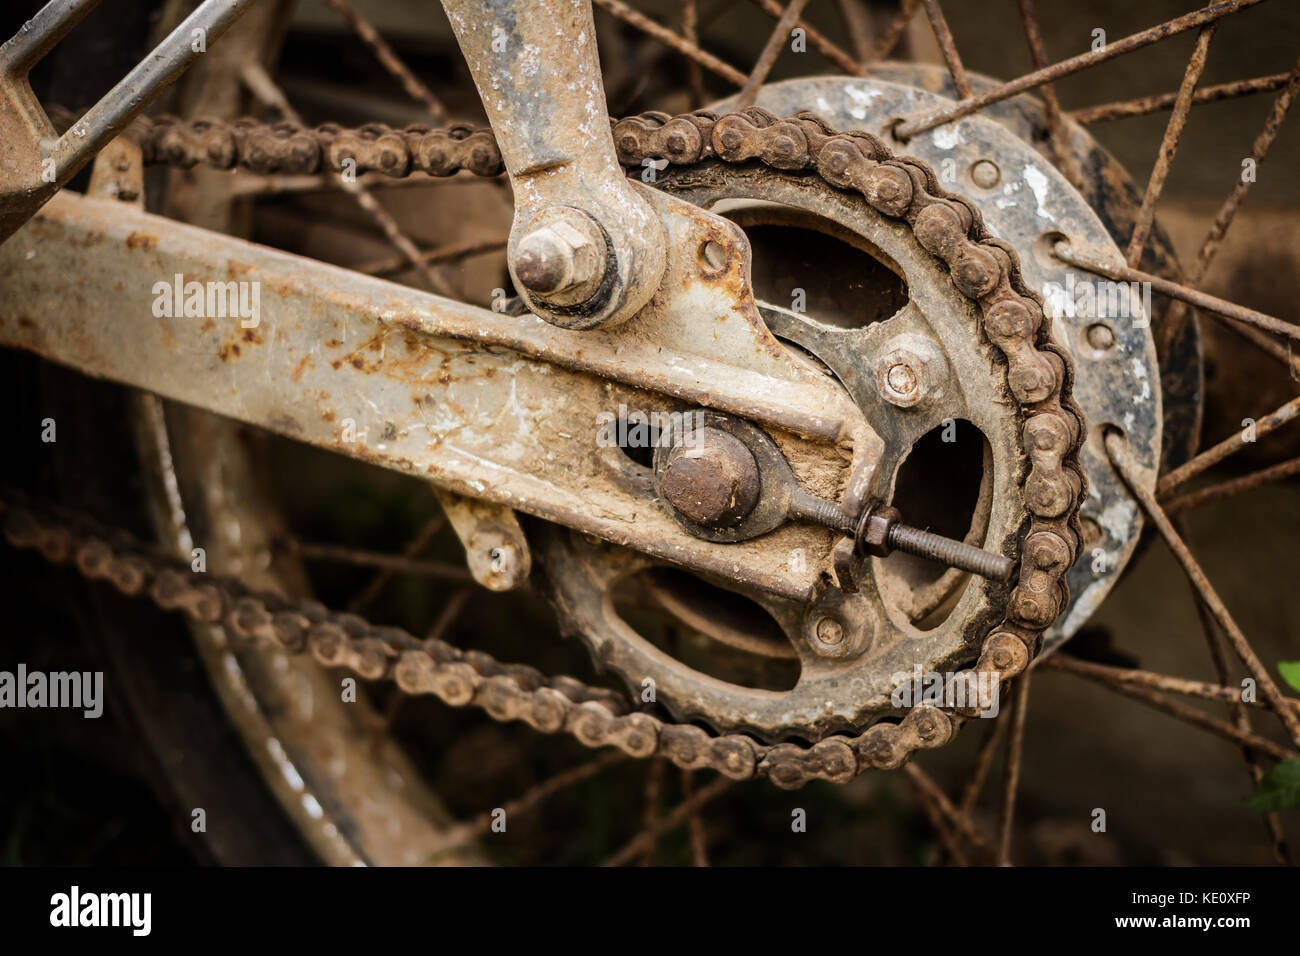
(384, 575)
(1011, 770)
(947, 48)
(1169, 145)
(1240, 719)
(771, 50)
(1163, 101)
(857, 24)
(677, 42)
(453, 252)
(1226, 489)
(820, 42)
(1073, 65)
(1060, 139)
(375, 559)
(691, 33)
(923, 782)
(451, 610)
(654, 785)
(954, 818)
(695, 823)
(983, 761)
(390, 61)
(938, 822)
(894, 32)
(461, 834)
(669, 821)
(1130, 677)
(1184, 293)
(1187, 714)
(1174, 318)
(261, 85)
(1217, 453)
(1118, 450)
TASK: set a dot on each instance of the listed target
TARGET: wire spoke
(1169, 145)
(1240, 719)
(669, 821)
(1174, 318)
(857, 24)
(461, 834)
(834, 53)
(894, 32)
(1051, 103)
(375, 559)
(1184, 713)
(384, 575)
(261, 85)
(771, 50)
(1226, 489)
(1145, 105)
(691, 33)
(1120, 455)
(947, 48)
(442, 255)
(1073, 65)
(1011, 771)
(679, 43)
(695, 829)
(390, 61)
(1212, 456)
(1184, 293)
(1131, 677)
(934, 814)
(951, 814)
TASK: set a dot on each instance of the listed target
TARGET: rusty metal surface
(477, 401)
(901, 211)
(1030, 200)
(552, 128)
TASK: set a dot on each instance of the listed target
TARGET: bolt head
(830, 631)
(561, 256)
(712, 479)
(911, 371)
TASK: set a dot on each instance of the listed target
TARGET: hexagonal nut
(911, 371)
(560, 257)
(873, 530)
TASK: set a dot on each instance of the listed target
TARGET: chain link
(1038, 374)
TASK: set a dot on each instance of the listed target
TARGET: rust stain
(141, 240)
(251, 336)
(303, 364)
(230, 349)
(207, 326)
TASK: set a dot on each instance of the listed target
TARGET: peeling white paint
(1036, 179)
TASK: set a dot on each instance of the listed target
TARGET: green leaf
(1290, 671)
(1278, 790)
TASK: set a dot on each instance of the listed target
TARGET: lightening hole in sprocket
(944, 485)
(714, 631)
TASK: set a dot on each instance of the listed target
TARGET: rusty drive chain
(1039, 378)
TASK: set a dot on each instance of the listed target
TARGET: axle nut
(561, 256)
(711, 478)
